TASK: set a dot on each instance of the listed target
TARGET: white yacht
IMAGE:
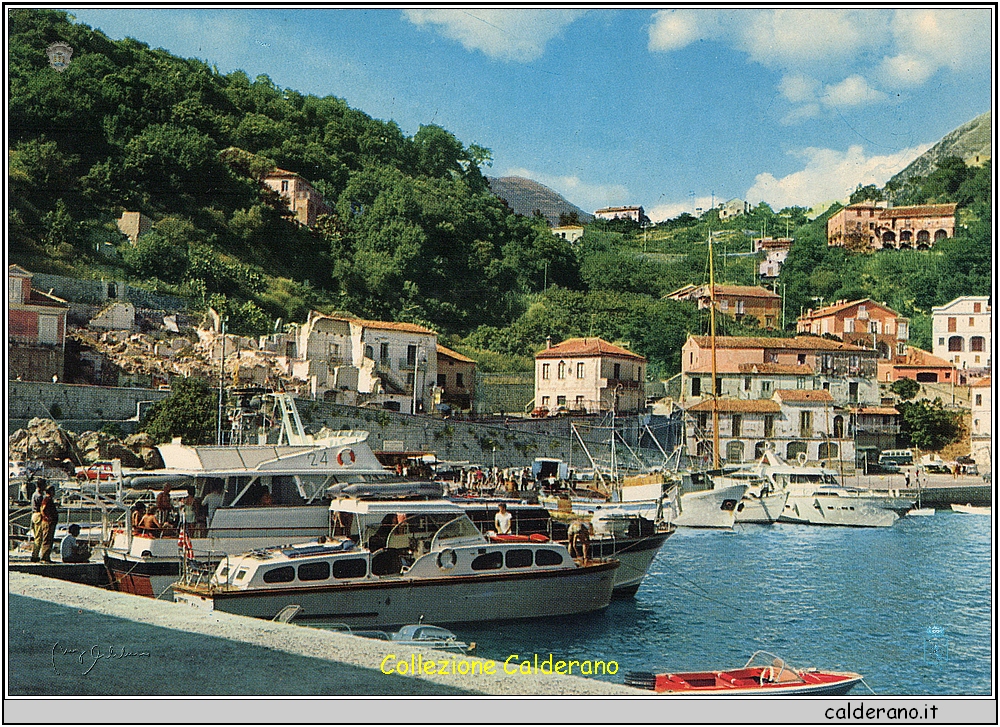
(760, 504)
(395, 562)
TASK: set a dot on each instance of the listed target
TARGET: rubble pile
(95, 446)
(44, 440)
(141, 353)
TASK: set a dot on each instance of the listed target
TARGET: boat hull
(833, 510)
(774, 690)
(635, 556)
(396, 601)
(715, 508)
(142, 576)
(764, 510)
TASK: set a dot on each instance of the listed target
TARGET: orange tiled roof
(798, 343)
(773, 368)
(381, 325)
(748, 291)
(740, 406)
(919, 358)
(985, 383)
(802, 395)
(844, 305)
(442, 351)
(920, 210)
(884, 410)
(587, 347)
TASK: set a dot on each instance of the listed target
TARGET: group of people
(44, 519)
(193, 513)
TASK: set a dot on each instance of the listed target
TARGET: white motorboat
(973, 509)
(714, 508)
(297, 476)
(395, 562)
(760, 503)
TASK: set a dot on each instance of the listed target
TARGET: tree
(906, 389)
(190, 412)
(928, 425)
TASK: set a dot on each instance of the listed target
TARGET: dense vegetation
(415, 234)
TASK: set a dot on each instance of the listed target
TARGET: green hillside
(416, 235)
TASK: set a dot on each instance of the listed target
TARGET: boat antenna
(715, 385)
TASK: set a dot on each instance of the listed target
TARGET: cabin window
(318, 571)
(350, 568)
(224, 571)
(241, 574)
(282, 574)
(520, 558)
(489, 561)
(544, 556)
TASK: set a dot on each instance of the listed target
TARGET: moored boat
(973, 509)
(395, 562)
(776, 678)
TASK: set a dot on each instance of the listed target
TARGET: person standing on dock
(36, 519)
(50, 518)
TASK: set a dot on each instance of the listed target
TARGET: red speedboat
(764, 674)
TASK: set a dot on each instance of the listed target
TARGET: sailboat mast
(715, 373)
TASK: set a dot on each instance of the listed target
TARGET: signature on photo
(89, 657)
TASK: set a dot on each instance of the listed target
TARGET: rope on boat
(869, 688)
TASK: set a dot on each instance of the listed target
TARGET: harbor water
(909, 607)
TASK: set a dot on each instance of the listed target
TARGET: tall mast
(715, 389)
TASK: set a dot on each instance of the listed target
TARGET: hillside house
(456, 378)
(918, 365)
(634, 213)
(569, 233)
(736, 301)
(134, 225)
(589, 375)
(960, 331)
(733, 208)
(304, 202)
(982, 423)
(775, 253)
(36, 330)
(755, 367)
(871, 226)
(354, 361)
(863, 323)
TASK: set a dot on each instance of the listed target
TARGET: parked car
(539, 412)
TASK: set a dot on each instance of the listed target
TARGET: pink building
(862, 323)
(736, 301)
(305, 203)
(36, 329)
(871, 226)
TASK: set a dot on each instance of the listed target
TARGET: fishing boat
(625, 536)
(763, 675)
(396, 562)
(298, 475)
(973, 509)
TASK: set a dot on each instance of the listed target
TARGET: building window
(579, 403)
(979, 399)
(900, 349)
(768, 425)
(740, 307)
(703, 420)
(805, 424)
(952, 325)
(562, 370)
(579, 370)
(977, 307)
(696, 386)
(956, 343)
(459, 380)
(15, 289)
(442, 380)
(800, 382)
(411, 355)
(560, 401)
(618, 371)
(852, 392)
(770, 357)
(801, 359)
(369, 352)
(383, 351)
(545, 401)
(977, 343)
(746, 383)
(737, 422)
(765, 387)
(284, 185)
(409, 378)
(545, 371)
(941, 341)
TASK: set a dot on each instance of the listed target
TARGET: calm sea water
(909, 607)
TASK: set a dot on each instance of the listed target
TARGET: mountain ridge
(970, 140)
(524, 196)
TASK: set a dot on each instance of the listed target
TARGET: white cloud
(852, 91)
(670, 210)
(588, 197)
(675, 29)
(798, 88)
(510, 35)
(829, 174)
(928, 40)
(791, 38)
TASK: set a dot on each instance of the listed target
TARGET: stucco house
(863, 323)
(733, 208)
(982, 423)
(36, 330)
(870, 225)
(632, 212)
(569, 233)
(456, 378)
(961, 332)
(736, 301)
(589, 375)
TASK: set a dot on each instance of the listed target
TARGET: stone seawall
(76, 407)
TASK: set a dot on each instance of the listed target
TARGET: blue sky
(667, 109)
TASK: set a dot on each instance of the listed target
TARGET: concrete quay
(68, 639)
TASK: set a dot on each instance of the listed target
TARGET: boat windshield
(461, 529)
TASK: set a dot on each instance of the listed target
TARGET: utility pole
(416, 365)
(222, 376)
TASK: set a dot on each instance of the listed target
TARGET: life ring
(345, 457)
(447, 559)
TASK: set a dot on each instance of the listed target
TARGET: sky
(673, 110)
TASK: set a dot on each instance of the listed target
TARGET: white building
(733, 208)
(355, 361)
(589, 375)
(569, 233)
(982, 428)
(635, 213)
(961, 332)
